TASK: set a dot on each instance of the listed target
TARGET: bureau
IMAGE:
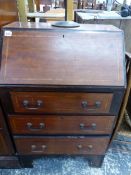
(61, 89)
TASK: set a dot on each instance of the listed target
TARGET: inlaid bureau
(61, 89)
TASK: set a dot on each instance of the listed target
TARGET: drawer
(61, 102)
(61, 124)
(61, 145)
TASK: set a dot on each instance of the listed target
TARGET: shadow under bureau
(60, 90)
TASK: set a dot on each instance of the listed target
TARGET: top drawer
(61, 102)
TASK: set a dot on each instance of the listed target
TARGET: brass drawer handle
(84, 127)
(85, 105)
(89, 147)
(31, 128)
(79, 147)
(27, 105)
(34, 149)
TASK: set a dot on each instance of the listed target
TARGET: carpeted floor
(116, 162)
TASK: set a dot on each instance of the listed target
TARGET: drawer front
(61, 124)
(39, 146)
(59, 102)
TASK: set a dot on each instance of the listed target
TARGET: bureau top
(91, 55)
(37, 26)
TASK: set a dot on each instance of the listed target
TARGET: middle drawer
(38, 124)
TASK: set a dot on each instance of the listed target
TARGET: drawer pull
(31, 128)
(34, 149)
(26, 105)
(85, 104)
(79, 146)
(90, 147)
(84, 127)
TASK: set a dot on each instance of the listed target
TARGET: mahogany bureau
(61, 89)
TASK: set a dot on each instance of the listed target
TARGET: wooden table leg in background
(127, 93)
(37, 2)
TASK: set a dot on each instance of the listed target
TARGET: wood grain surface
(63, 145)
(60, 102)
(85, 56)
(26, 124)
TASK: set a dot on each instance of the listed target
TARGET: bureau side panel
(6, 147)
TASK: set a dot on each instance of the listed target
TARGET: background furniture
(88, 4)
(122, 137)
(51, 15)
(23, 12)
(128, 90)
(8, 12)
(108, 18)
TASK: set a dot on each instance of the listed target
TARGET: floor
(117, 162)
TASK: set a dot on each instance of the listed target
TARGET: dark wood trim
(9, 162)
(5, 136)
(96, 161)
(117, 100)
(76, 88)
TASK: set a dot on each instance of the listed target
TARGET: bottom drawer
(61, 145)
